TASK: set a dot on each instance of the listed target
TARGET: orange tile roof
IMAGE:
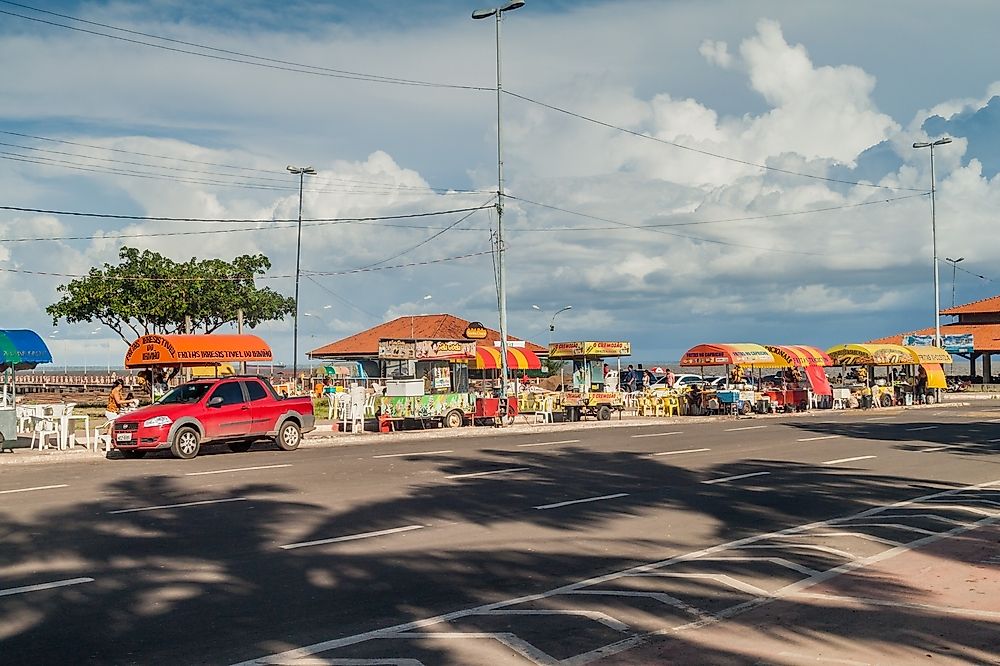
(420, 327)
(985, 337)
(991, 304)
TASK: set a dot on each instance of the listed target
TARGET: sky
(678, 172)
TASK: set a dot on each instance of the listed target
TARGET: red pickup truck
(236, 410)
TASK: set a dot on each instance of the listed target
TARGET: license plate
(124, 437)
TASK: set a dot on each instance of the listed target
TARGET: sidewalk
(325, 435)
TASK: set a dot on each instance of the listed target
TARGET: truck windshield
(186, 393)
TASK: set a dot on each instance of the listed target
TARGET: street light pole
(501, 272)
(937, 291)
(301, 173)
(954, 268)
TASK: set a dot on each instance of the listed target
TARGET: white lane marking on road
(496, 471)
(179, 506)
(306, 651)
(734, 478)
(237, 469)
(352, 537)
(921, 428)
(44, 586)
(676, 453)
(937, 448)
(657, 434)
(843, 460)
(580, 501)
(880, 418)
(413, 453)
(992, 441)
(814, 439)
(28, 490)
(561, 441)
(745, 428)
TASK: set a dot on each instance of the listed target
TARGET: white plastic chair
(104, 438)
(43, 428)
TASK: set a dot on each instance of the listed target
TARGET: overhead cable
(707, 153)
(235, 56)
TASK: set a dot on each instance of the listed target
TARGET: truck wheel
(240, 446)
(885, 400)
(186, 444)
(289, 436)
(603, 413)
(746, 408)
(453, 419)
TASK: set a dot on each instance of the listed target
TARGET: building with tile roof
(418, 327)
(980, 319)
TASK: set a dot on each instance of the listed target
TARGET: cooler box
(402, 388)
(728, 397)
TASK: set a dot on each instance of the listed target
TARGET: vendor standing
(116, 400)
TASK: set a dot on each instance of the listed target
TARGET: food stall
(738, 394)
(20, 349)
(212, 354)
(800, 377)
(594, 393)
(490, 408)
(425, 381)
(930, 359)
(862, 383)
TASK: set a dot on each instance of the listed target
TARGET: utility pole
(301, 172)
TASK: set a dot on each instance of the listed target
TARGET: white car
(680, 381)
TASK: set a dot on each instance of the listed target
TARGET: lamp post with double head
(301, 172)
(498, 12)
(937, 291)
(954, 269)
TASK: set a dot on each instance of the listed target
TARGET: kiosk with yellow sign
(595, 392)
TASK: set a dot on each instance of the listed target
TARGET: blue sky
(820, 92)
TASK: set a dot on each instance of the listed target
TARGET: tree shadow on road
(211, 583)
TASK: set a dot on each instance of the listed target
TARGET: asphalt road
(631, 544)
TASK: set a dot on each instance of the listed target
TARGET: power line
(235, 56)
(428, 240)
(151, 218)
(367, 269)
(366, 186)
(765, 216)
(671, 233)
(234, 167)
(700, 151)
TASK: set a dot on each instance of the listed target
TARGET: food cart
(490, 409)
(163, 356)
(594, 393)
(800, 377)
(900, 383)
(738, 394)
(426, 381)
(20, 349)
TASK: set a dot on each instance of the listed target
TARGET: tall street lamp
(501, 273)
(301, 172)
(954, 268)
(937, 292)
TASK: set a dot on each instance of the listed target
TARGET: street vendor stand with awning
(886, 355)
(805, 365)
(487, 360)
(158, 352)
(740, 355)
(591, 396)
(20, 349)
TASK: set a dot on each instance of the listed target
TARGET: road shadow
(210, 583)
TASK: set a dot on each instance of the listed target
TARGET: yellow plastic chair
(672, 406)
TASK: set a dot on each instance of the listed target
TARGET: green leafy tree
(149, 293)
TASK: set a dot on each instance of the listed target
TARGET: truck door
(228, 413)
(263, 408)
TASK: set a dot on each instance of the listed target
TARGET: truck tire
(603, 413)
(186, 444)
(289, 436)
(453, 419)
(746, 408)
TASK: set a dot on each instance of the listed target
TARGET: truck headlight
(157, 421)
